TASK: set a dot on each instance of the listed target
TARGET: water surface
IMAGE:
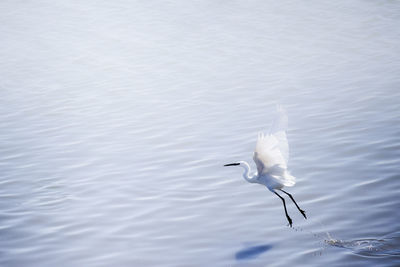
(116, 118)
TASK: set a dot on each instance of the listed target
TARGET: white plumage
(271, 156)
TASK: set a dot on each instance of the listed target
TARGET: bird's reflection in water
(252, 252)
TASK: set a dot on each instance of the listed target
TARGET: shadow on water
(252, 252)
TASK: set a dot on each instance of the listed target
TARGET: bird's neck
(247, 175)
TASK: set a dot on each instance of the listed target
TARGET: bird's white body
(268, 180)
(271, 157)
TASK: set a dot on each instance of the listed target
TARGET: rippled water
(117, 116)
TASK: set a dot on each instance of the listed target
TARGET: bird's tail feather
(289, 180)
(283, 175)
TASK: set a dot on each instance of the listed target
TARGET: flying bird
(271, 157)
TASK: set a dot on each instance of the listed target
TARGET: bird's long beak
(231, 164)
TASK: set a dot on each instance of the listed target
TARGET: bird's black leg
(284, 205)
(301, 211)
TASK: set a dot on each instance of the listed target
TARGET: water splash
(388, 245)
(372, 247)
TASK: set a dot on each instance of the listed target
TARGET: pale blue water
(117, 116)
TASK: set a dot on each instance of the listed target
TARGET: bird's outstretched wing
(272, 151)
(270, 160)
(278, 129)
(267, 154)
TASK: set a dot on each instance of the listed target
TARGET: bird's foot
(290, 221)
(303, 213)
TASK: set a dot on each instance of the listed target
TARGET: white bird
(271, 157)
